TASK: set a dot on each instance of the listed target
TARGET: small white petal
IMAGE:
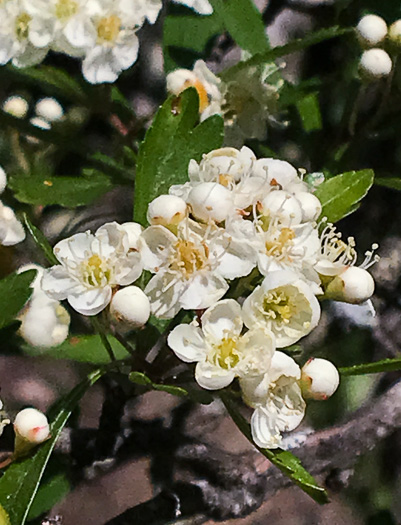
(187, 342)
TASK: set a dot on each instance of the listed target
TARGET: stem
(354, 112)
(99, 329)
(386, 92)
(17, 150)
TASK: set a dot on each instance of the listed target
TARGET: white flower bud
(371, 30)
(394, 33)
(319, 379)
(211, 201)
(39, 122)
(31, 425)
(3, 180)
(311, 206)
(283, 205)
(16, 106)
(354, 285)
(44, 322)
(374, 64)
(49, 109)
(166, 210)
(130, 307)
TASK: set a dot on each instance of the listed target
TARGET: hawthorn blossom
(90, 267)
(285, 305)
(277, 399)
(191, 266)
(219, 349)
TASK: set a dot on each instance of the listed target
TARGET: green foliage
(81, 348)
(14, 293)
(40, 240)
(244, 22)
(4, 519)
(340, 195)
(389, 182)
(171, 142)
(385, 365)
(48, 494)
(20, 483)
(69, 192)
(309, 111)
(284, 460)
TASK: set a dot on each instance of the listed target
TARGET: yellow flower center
(226, 354)
(277, 247)
(202, 93)
(66, 9)
(225, 180)
(22, 26)
(108, 29)
(278, 306)
(189, 258)
(95, 272)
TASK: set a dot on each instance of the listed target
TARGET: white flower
(375, 64)
(130, 307)
(279, 174)
(218, 347)
(90, 266)
(49, 109)
(16, 106)
(31, 425)
(285, 305)
(277, 400)
(166, 210)
(320, 379)
(11, 230)
(203, 7)
(354, 285)
(371, 30)
(191, 267)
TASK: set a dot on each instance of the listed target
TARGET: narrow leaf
(171, 142)
(386, 365)
(389, 182)
(15, 291)
(244, 22)
(309, 111)
(21, 480)
(49, 494)
(40, 241)
(341, 193)
(289, 464)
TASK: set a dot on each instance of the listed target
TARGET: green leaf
(49, 494)
(82, 348)
(289, 464)
(169, 145)
(64, 191)
(385, 365)
(296, 45)
(21, 480)
(4, 519)
(389, 182)
(244, 22)
(40, 241)
(15, 291)
(309, 111)
(341, 193)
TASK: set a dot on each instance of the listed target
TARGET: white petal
(283, 364)
(91, 302)
(212, 377)
(125, 55)
(164, 291)
(98, 66)
(154, 245)
(203, 291)
(222, 319)
(58, 284)
(77, 247)
(128, 269)
(187, 342)
(265, 432)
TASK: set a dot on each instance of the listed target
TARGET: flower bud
(39, 122)
(354, 285)
(319, 379)
(181, 79)
(3, 180)
(371, 30)
(166, 210)
(394, 33)
(311, 206)
(375, 64)
(49, 109)
(16, 106)
(210, 201)
(31, 428)
(130, 307)
(282, 205)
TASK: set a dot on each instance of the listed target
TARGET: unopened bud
(371, 30)
(166, 210)
(49, 109)
(210, 201)
(375, 64)
(311, 206)
(283, 205)
(16, 106)
(394, 33)
(354, 285)
(319, 379)
(130, 308)
(31, 428)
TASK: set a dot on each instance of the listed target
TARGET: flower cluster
(242, 224)
(247, 100)
(11, 230)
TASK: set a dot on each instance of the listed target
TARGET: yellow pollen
(66, 9)
(108, 29)
(226, 354)
(225, 180)
(277, 306)
(189, 258)
(202, 93)
(95, 272)
(276, 247)
(22, 26)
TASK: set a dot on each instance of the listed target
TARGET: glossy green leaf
(15, 291)
(389, 182)
(386, 365)
(296, 45)
(21, 480)
(171, 142)
(49, 493)
(340, 194)
(82, 348)
(64, 191)
(40, 240)
(244, 22)
(309, 111)
(289, 464)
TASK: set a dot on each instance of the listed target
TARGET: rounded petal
(265, 432)
(153, 244)
(77, 247)
(212, 377)
(57, 283)
(98, 67)
(203, 291)
(283, 365)
(222, 319)
(164, 292)
(187, 343)
(91, 302)
(128, 269)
